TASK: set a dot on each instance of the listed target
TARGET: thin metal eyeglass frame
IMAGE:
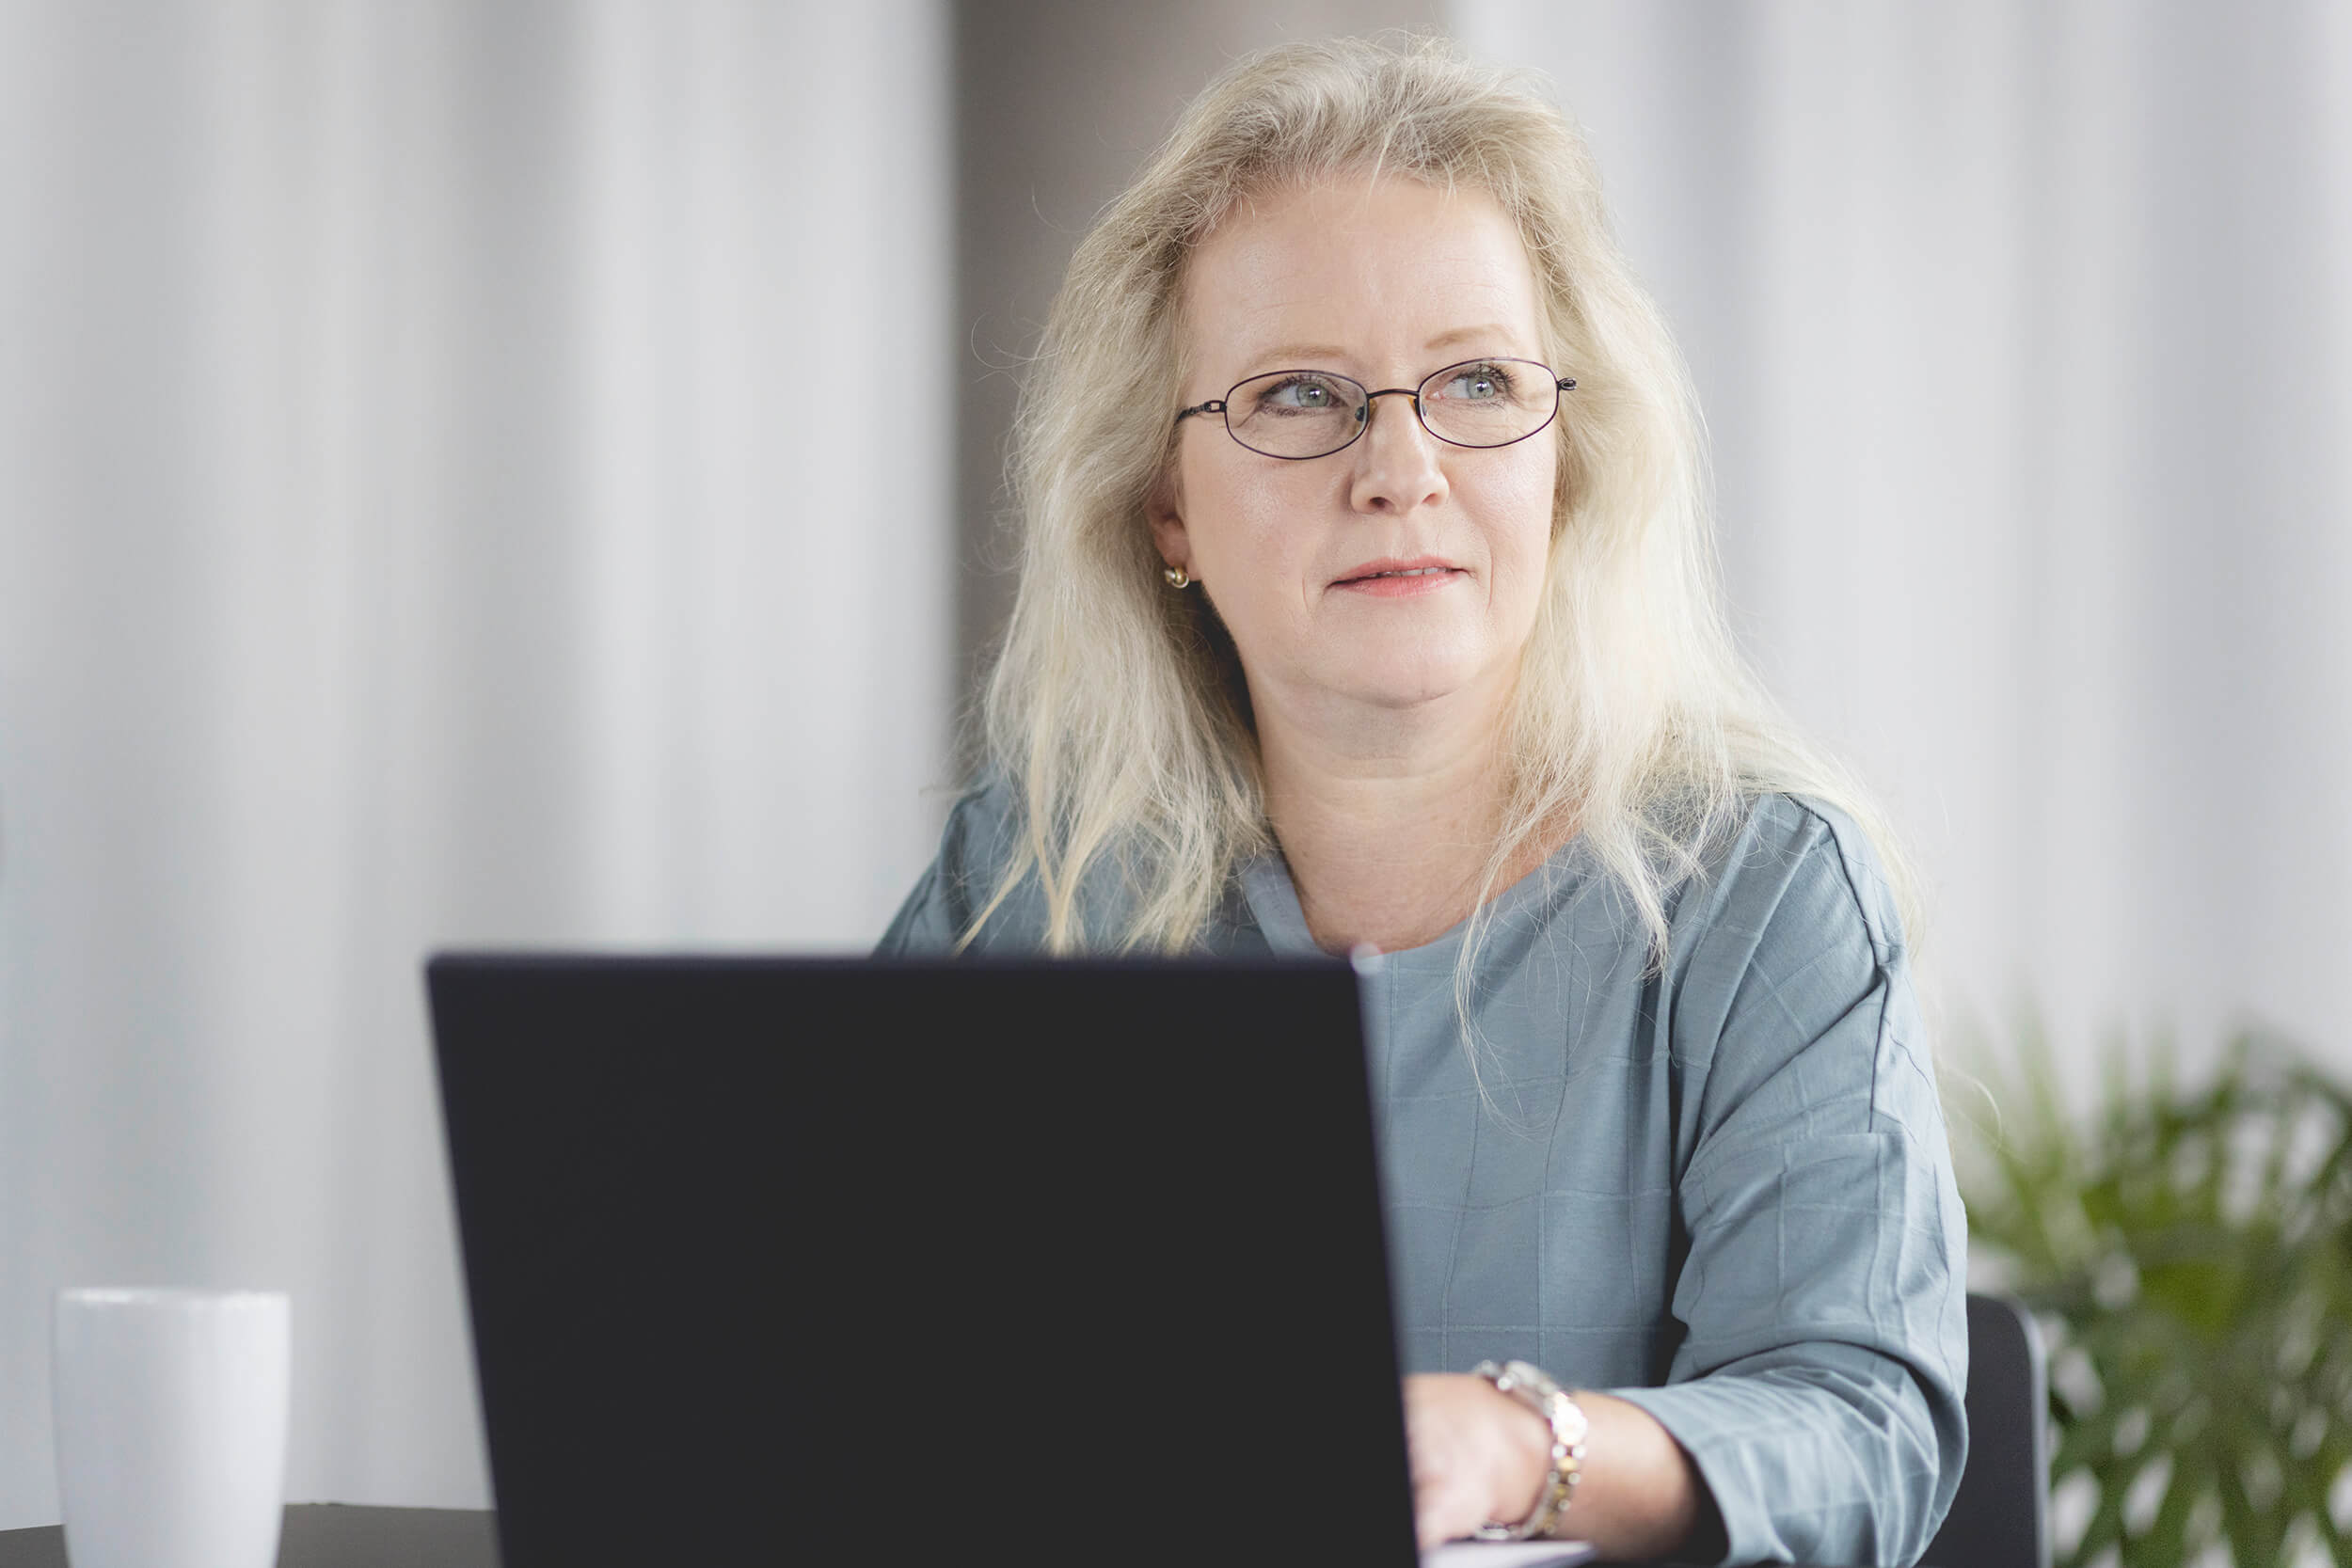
(1363, 420)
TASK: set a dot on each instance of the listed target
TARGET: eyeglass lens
(1480, 402)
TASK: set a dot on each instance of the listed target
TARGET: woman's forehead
(1361, 268)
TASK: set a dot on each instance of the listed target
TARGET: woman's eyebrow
(1297, 353)
(1488, 331)
(1301, 353)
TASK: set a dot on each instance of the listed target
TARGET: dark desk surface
(330, 1535)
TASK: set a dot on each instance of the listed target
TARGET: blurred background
(430, 514)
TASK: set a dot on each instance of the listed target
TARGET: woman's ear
(1164, 508)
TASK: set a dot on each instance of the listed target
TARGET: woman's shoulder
(1808, 838)
(983, 827)
(977, 845)
(1792, 948)
(1794, 875)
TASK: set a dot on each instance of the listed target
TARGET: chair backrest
(2001, 1516)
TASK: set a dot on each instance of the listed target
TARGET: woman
(1367, 603)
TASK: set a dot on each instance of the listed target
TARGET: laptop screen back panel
(770, 1258)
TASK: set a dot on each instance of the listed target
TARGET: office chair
(2001, 1516)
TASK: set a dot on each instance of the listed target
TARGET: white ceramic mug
(171, 1426)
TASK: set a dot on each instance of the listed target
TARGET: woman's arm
(1823, 1328)
(1812, 1406)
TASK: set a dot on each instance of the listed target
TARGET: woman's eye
(1478, 384)
(1301, 394)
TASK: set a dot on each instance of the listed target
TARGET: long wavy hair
(1115, 709)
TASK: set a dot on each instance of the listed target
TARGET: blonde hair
(1115, 710)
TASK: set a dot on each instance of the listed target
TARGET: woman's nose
(1397, 465)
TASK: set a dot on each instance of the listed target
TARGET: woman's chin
(1352, 680)
(1408, 687)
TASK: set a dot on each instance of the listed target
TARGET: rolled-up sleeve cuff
(1786, 1475)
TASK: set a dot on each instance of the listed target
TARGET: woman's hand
(1477, 1455)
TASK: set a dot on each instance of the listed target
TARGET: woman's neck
(1387, 824)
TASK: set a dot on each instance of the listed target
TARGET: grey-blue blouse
(1723, 1192)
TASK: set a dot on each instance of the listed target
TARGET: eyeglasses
(1295, 415)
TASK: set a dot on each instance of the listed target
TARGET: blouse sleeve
(1818, 1386)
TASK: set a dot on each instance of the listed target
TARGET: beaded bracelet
(1534, 1389)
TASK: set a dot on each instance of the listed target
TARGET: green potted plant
(2188, 1254)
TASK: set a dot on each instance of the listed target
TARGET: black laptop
(779, 1261)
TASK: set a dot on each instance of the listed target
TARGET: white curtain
(2024, 333)
(472, 474)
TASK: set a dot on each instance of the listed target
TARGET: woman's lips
(1402, 586)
